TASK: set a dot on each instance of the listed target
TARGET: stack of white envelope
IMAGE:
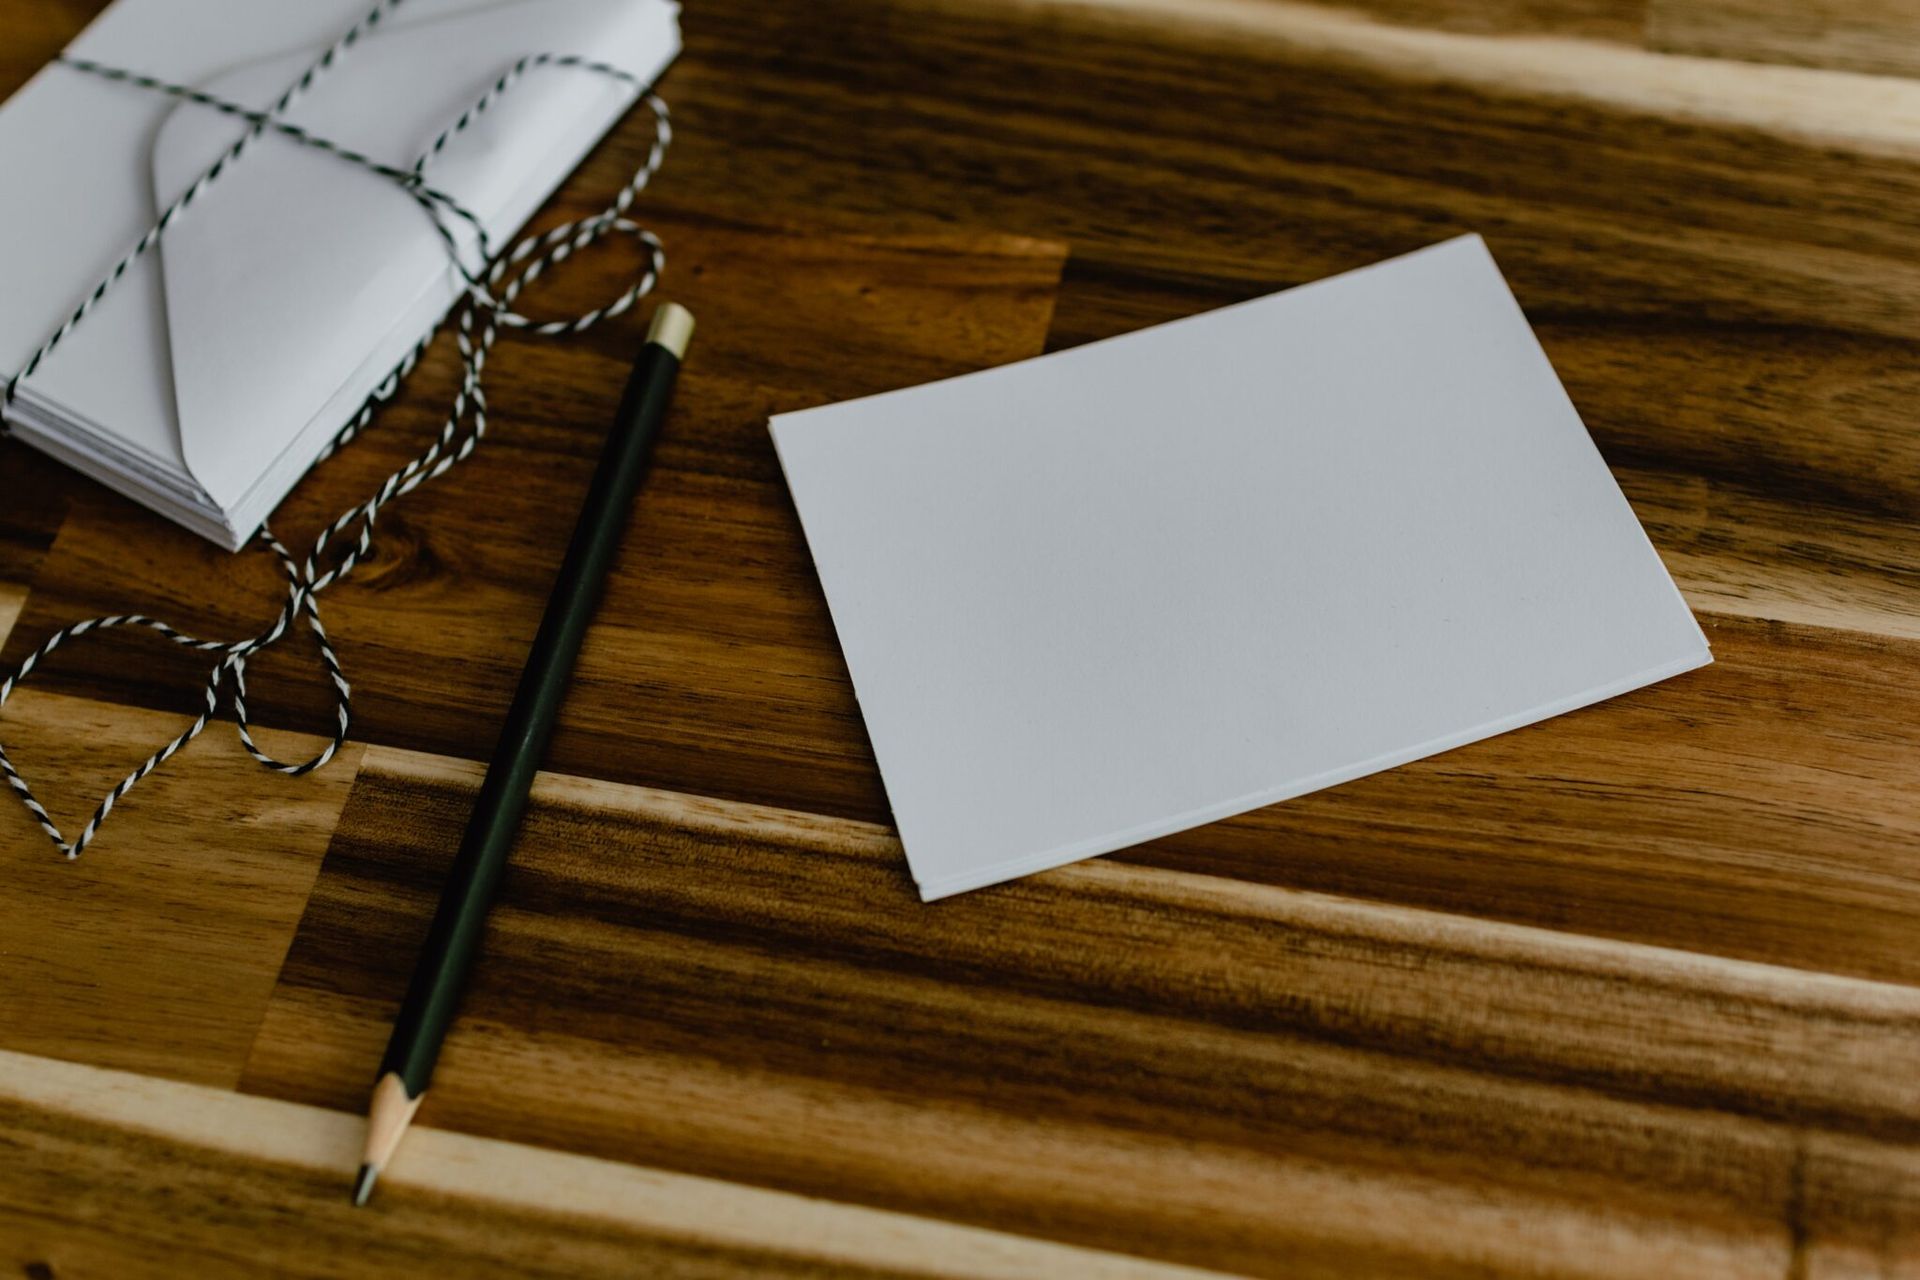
(211, 377)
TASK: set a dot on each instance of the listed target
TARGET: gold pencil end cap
(672, 328)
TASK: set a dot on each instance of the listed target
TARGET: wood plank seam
(1492, 939)
(524, 1177)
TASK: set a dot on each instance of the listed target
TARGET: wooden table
(1634, 993)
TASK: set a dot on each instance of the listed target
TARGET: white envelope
(206, 383)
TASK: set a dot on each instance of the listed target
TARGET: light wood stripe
(707, 814)
(1773, 576)
(12, 599)
(164, 1131)
(1496, 943)
(1622, 21)
(1839, 107)
(1701, 1017)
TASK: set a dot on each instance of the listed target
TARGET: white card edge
(1113, 842)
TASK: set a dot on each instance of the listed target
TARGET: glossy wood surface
(1861, 35)
(1629, 993)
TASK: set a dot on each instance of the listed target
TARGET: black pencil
(433, 995)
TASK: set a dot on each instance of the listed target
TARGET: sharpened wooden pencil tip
(387, 1118)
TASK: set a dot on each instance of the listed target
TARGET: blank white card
(1145, 584)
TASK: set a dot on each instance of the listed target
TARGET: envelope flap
(284, 277)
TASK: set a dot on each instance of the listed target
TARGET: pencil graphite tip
(363, 1185)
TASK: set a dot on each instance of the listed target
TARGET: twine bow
(490, 290)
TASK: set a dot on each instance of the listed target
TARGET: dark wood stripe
(121, 1175)
(1874, 36)
(1239, 154)
(760, 997)
(36, 493)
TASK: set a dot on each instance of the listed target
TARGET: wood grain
(1097, 1054)
(156, 953)
(1717, 812)
(1881, 36)
(35, 32)
(1623, 21)
(37, 491)
(12, 597)
(108, 1167)
(1628, 993)
(1702, 283)
(712, 665)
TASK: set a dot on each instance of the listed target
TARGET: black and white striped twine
(491, 288)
